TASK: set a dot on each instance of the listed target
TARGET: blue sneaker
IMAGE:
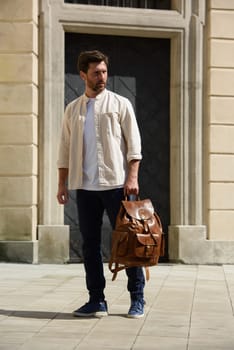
(136, 309)
(96, 309)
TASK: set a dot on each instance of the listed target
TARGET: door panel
(139, 70)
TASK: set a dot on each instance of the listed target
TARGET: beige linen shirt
(118, 139)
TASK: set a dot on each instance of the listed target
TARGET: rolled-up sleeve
(64, 145)
(131, 132)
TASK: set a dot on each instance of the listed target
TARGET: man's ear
(82, 75)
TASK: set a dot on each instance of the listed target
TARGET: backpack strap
(118, 268)
(147, 273)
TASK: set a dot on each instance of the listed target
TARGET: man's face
(96, 77)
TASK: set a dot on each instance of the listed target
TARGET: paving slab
(188, 307)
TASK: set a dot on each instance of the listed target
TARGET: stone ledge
(54, 242)
(19, 251)
(188, 245)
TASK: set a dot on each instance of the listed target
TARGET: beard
(98, 87)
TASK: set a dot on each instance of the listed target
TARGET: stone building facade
(201, 34)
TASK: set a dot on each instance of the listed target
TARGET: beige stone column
(53, 235)
(18, 129)
(21, 120)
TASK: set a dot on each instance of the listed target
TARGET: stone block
(221, 110)
(222, 167)
(221, 4)
(19, 251)
(18, 37)
(221, 196)
(188, 245)
(222, 82)
(18, 160)
(221, 139)
(18, 68)
(221, 24)
(222, 53)
(54, 244)
(19, 10)
(181, 242)
(221, 223)
(18, 191)
(18, 98)
(18, 129)
(222, 252)
(18, 224)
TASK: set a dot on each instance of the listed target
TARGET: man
(100, 153)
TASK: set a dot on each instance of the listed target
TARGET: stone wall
(18, 128)
(20, 125)
(220, 122)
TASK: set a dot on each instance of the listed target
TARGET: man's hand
(62, 194)
(131, 185)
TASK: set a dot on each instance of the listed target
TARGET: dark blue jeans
(91, 206)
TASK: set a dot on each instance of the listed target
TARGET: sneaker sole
(92, 314)
(135, 316)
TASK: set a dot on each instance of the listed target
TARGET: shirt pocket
(110, 124)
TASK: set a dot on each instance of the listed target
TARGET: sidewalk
(188, 308)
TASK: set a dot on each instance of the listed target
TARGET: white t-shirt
(90, 163)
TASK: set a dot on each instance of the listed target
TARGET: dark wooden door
(139, 70)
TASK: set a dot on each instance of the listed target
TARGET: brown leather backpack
(137, 239)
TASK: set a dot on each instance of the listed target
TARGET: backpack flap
(139, 210)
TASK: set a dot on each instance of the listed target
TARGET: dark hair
(87, 57)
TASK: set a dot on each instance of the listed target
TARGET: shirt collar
(98, 97)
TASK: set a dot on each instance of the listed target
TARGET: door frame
(184, 25)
